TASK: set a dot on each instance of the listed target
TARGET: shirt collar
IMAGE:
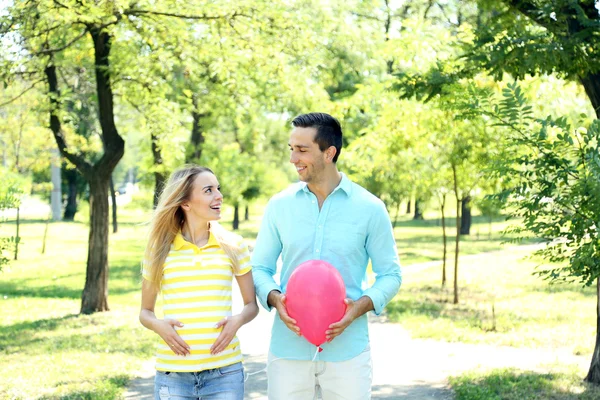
(179, 243)
(345, 185)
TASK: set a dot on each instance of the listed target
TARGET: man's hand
(277, 300)
(354, 309)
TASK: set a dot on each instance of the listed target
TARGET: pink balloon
(315, 296)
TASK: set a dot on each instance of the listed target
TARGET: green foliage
(11, 190)
(552, 178)
(507, 384)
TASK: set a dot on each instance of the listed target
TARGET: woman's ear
(186, 206)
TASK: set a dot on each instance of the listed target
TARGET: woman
(192, 259)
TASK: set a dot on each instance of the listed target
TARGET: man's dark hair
(329, 130)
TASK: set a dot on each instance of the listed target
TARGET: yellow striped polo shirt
(196, 288)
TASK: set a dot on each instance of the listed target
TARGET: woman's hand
(165, 328)
(230, 327)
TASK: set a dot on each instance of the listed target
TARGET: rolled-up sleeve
(264, 258)
(381, 248)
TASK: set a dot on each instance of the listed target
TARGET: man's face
(306, 156)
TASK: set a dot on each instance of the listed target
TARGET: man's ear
(330, 153)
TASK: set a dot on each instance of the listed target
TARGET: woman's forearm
(249, 312)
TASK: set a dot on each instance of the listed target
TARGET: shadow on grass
(21, 334)
(517, 385)
(29, 287)
(435, 303)
(105, 388)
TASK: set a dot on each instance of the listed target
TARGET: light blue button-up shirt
(352, 227)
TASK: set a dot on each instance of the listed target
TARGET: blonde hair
(168, 219)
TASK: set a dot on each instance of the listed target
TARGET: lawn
(502, 384)
(54, 353)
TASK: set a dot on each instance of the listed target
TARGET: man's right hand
(277, 300)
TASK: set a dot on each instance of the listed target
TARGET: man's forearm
(273, 297)
(362, 306)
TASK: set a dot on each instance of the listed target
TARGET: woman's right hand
(165, 328)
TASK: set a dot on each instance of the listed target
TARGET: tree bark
(159, 176)
(593, 375)
(236, 217)
(17, 238)
(408, 210)
(71, 207)
(247, 213)
(457, 243)
(465, 219)
(113, 199)
(418, 212)
(197, 138)
(95, 293)
(445, 239)
(591, 84)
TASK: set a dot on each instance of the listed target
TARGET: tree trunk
(236, 217)
(465, 219)
(17, 238)
(56, 195)
(159, 176)
(71, 207)
(456, 249)
(593, 375)
(247, 213)
(94, 296)
(408, 210)
(591, 84)
(113, 199)
(418, 212)
(445, 238)
(397, 213)
(95, 293)
(197, 138)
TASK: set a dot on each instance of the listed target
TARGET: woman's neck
(196, 232)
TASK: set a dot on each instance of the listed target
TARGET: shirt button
(317, 250)
(313, 202)
(320, 226)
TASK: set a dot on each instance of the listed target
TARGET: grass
(54, 353)
(500, 302)
(503, 384)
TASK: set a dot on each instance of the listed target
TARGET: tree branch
(21, 94)
(533, 12)
(184, 16)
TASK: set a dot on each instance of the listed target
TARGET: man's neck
(322, 189)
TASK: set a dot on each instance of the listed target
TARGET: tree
(51, 39)
(551, 172)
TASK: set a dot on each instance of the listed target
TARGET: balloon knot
(320, 349)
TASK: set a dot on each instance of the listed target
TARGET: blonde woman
(192, 260)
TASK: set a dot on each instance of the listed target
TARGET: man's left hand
(339, 327)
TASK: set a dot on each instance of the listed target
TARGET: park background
(470, 117)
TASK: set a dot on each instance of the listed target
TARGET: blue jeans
(225, 383)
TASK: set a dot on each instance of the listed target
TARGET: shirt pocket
(346, 239)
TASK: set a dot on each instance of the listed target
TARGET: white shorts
(303, 380)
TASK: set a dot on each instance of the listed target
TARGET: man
(324, 217)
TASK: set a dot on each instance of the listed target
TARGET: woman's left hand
(230, 327)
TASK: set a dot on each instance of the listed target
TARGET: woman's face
(205, 200)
